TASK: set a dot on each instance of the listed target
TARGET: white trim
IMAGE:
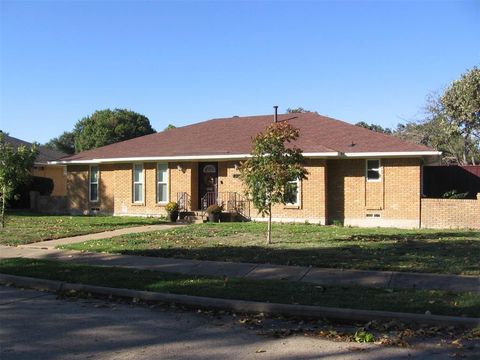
(393, 153)
(299, 194)
(135, 183)
(379, 169)
(177, 158)
(90, 184)
(167, 182)
(330, 154)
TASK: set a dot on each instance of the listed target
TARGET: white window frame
(90, 183)
(299, 193)
(138, 182)
(166, 182)
(379, 169)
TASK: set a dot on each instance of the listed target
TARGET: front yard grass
(278, 291)
(26, 227)
(432, 251)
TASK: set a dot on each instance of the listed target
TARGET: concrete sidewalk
(52, 244)
(320, 276)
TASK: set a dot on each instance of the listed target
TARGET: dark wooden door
(207, 184)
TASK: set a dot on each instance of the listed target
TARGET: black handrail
(230, 202)
(183, 201)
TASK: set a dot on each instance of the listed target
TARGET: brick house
(43, 166)
(356, 176)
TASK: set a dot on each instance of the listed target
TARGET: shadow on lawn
(412, 236)
(456, 257)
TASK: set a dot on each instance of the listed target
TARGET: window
(292, 193)
(162, 183)
(138, 183)
(373, 170)
(93, 180)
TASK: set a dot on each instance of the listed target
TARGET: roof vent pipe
(275, 107)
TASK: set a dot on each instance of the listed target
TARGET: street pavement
(37, 325)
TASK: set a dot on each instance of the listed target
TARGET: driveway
(36, 325)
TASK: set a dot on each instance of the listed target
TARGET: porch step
(192, 217)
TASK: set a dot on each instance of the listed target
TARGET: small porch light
(179, 167)
(236, 166)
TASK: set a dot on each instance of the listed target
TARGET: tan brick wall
(78, 188)
(396, 198)
(451, 213)
(57, 174)
(313, 198)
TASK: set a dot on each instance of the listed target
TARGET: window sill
(292, 207)
(161, 204)
(138, 204)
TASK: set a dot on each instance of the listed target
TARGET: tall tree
(374, 127)
(460, 105)
(272, 166)
(170, 127)
(15, 165)
(297, 110)
(64, 143)
(106, 127)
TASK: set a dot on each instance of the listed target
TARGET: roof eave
(331, 154)
(397, 154)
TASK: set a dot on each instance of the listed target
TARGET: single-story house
(356, 176)
(42, 167)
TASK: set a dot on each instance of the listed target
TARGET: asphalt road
(36, 325)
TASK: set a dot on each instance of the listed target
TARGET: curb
(304, 311)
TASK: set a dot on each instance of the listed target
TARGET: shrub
(214, 209)
(171, 207)
(454, 194)
(42, 184)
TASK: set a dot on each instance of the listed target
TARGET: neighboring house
(356, 176)
(56, 172)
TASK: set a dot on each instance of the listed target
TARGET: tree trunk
(269, 230)
(2, 211)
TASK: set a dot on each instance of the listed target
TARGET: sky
(184, 62)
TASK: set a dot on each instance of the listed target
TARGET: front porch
(234, 206)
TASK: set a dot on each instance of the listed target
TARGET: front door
(207, 184)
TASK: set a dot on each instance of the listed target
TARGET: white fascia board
(393, 154)
(177, 158)
(331, 154)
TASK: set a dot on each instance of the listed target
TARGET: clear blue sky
(184, 62)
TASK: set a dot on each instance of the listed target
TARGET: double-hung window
(162, 183)
(292, 193)
(373, 170)
(93, 183)
(138, 183)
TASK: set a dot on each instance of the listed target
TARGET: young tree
(15, 165)
(272, 165)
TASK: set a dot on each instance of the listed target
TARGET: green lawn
(25, 227)
(278, 291)
(435, 251)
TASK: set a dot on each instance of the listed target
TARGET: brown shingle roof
(44, 154)
(233, 136)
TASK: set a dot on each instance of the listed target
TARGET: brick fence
(47, 204)
(451, 213)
